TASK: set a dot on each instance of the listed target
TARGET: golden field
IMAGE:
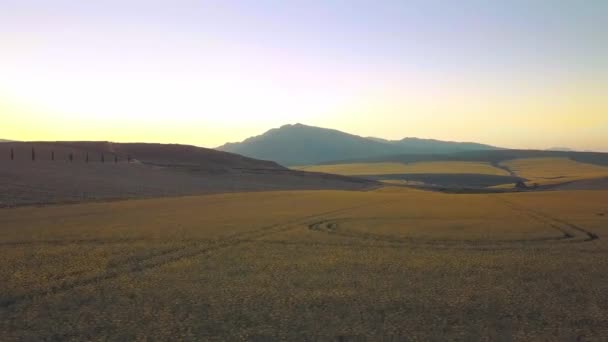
(544, 171)
(449, 167)
(393, 263)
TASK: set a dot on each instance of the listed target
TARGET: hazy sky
(528, 74)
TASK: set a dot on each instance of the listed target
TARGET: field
(434, 167)
(142, 171)
(448, 174)
(393, 263)
(546, 171)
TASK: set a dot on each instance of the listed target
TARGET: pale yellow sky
(532, 119)
(517, 76)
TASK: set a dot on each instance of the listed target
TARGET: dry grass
(360, 169)
(42, 182)
(554, 170)
(395, 262)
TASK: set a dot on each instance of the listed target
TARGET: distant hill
(303, 145)
(541, 169)
(559, 148)
(204, 159)
(101, 170)
(429, 146)
(4, 140)
(490, 156)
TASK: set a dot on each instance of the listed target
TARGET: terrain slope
(83, 171)
(435, 174)
(479, 169)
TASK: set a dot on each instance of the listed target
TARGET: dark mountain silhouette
(429, 146)
(559, 148)
(301, 145)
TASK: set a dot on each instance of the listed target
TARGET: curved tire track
(560, 224)
(569, 233)
(170, 256)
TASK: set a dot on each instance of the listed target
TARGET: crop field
(392, 263)
(433, 167)
(546, 171)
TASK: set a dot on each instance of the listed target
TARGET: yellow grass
(554, 170)
(361, 169)
(308, 265)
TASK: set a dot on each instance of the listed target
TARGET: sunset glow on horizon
(515, 74)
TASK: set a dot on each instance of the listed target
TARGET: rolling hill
(84, 171)
(430, 146)
(304, 145)
(542, 168)
(488, 156)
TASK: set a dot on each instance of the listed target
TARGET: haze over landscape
(513, 74)
(303, 170)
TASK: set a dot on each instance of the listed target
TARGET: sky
(520, 74)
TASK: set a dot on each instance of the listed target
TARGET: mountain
(303, 145)
(300, 144)
(57, 172)
(433, 146)
(562, 149)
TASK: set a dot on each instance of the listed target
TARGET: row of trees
(71, 156)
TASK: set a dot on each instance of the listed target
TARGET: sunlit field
(361, 169)
(554, 170)
(389, 263)
(344, 171)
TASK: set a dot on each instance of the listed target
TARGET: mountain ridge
(299, 144)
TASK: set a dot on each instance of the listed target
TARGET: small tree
(102, 158)
(12, 154)
(71, 157)
(52, 155)
(115, 159)
(87, 158)
(129, 158)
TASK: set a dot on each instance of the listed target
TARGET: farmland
(547, 172)
(297, 265)
(554, 170)
(433, 167)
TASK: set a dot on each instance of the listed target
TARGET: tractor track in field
(170, 256)
(410, 246)
(331, 226)
(86, 242)
(564, 226)
(70, 242)
(569, 233)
